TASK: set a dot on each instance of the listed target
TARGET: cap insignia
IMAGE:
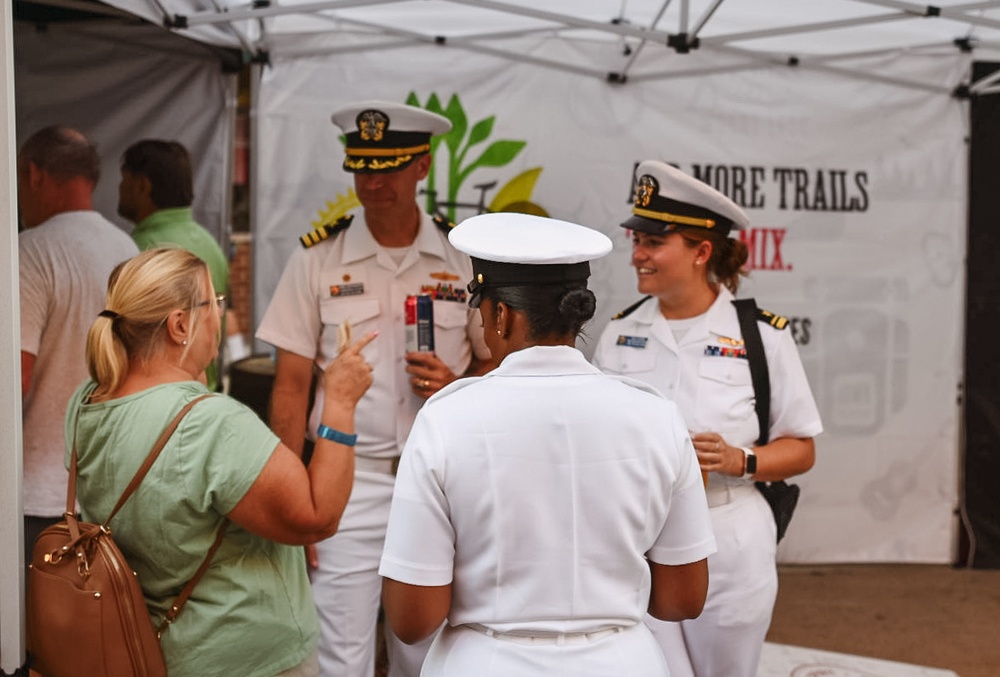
(372, 125)
(645, 189)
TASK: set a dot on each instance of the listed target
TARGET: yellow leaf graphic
(517, 190)
(337, 208)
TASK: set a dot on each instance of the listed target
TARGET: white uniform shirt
(350, 277)
(538, 490)
(708, 375)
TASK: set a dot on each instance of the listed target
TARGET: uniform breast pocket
(630, 361)
(362, 314)
(725, 389)
(451, 343)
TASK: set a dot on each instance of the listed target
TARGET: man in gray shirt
(66, 253)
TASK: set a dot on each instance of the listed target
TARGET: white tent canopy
(620, 40)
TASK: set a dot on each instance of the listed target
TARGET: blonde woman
(252, 612)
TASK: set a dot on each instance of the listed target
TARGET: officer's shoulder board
(444, 224)
(767, 317)
(631, 309)
(326, 231)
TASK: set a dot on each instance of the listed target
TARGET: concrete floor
(930, 615)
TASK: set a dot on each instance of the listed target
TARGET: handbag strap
(140, 474)
(185, 593)
(154, 453)
(746, 311)
(136, 479)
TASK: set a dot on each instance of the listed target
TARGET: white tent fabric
(121, 83)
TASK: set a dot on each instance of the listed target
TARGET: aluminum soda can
(419, 323)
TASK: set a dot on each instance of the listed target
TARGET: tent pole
(618, 28)
(656, 19)
(959, 12)
(985, 85)
(12, 645)
(213, 17)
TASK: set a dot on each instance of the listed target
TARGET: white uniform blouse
(350, 277)
(708, 376)
(539, 489)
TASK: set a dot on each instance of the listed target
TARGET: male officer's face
(391, 190)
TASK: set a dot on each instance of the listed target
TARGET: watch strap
(749, 463)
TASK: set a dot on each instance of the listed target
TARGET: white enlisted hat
(666, 199)
(384, 137)
(509, 249)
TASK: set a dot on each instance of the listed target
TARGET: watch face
(751, 464)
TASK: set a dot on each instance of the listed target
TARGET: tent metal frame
(687, 37)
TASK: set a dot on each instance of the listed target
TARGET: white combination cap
(383, 136)
(666, 199)
(510, 249)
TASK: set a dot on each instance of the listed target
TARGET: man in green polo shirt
(155, 194)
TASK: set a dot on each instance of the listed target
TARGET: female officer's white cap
(666, 199)
(509, 249)
(383, 136)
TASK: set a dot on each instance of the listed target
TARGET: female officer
(684, 338)
(542, 509)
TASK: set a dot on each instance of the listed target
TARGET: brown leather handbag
(85, 609)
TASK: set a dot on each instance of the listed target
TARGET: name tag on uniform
(632, 341)
(347, 289)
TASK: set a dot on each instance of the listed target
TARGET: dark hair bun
(577, 305)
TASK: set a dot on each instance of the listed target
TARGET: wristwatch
(749, 463)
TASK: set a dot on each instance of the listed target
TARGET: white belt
(385, 466)
(543, 637)
(728, 493)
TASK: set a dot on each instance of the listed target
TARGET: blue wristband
(328, 433)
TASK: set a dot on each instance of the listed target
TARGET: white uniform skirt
(625, 652)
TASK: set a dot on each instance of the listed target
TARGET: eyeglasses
(220, 300)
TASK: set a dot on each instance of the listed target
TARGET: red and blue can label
(419, 323)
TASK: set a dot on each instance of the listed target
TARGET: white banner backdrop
(857, 195)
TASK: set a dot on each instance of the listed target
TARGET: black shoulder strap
(746, 311)
(442, 223)
(631, 309)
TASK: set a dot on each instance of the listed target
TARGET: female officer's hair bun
(576, 306)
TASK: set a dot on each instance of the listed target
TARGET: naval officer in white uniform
(685, 339)
(543, 508)
(357, 273)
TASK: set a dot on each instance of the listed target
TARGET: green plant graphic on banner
(461, 142)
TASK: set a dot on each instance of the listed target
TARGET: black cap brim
(644, 225)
